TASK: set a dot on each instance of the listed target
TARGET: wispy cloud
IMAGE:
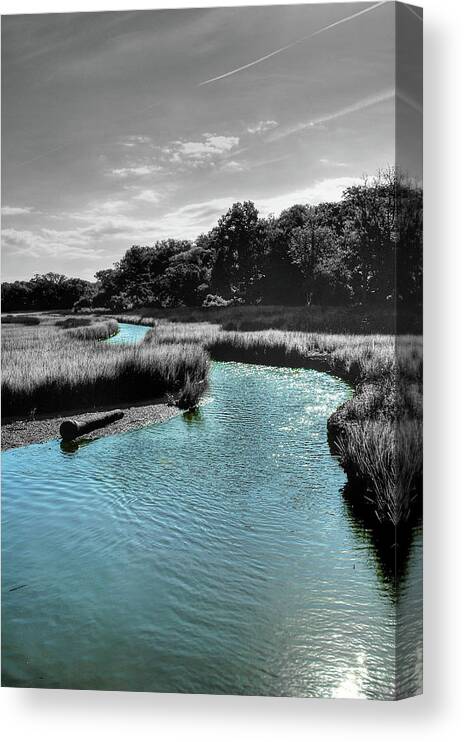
(371, 100)
(261, 127)
(291, 44)
(332, 163)
(111, 207)
(207, 149)
(152, 197)
(46, 243)
(16, 210)
(328, 189)
(134, 171)
(233, 166)
(135, 140)
(175, 156)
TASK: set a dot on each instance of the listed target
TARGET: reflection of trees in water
(391, 547)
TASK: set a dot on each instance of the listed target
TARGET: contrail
(292, 43)
(412, 10)
(371, 100)
(405, 98)
(43, 154)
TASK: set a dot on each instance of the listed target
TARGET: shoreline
(19, 433)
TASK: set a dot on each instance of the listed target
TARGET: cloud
(291, 44)
(178, 155)
(232, 166)
(332, 163)
(206, 151)
(183, 155)
(328, 189)
(212, 145)
(134, 171)
(261, 127)
(48, 243)
(134, 140)
(16, 210)
(152, 197)
(112, 207)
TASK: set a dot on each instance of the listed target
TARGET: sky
(129, 127)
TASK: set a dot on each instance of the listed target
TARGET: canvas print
(212, 350)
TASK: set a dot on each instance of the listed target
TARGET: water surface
(129, 333)
(213, 553)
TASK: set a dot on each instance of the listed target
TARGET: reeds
(47, 370)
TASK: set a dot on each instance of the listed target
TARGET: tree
(304, 247)
(282, 283)
(48, 291)
(239, 250)
(371, 211)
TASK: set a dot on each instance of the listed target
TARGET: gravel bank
(23, 432)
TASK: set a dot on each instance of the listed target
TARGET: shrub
(85, 302)
(213, 300)
(191, 394)
(71, 322)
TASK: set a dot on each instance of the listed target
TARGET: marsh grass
(98, 331)
(50, 370)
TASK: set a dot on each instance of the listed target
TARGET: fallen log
(70, 429)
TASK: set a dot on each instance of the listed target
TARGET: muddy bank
(24, 432)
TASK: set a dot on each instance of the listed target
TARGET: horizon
(124, 128)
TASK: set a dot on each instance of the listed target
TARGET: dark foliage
(50, 291)
(20, 319)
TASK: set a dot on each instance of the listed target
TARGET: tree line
(363, 250)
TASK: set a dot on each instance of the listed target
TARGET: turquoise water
(212, 553)
(129, 333)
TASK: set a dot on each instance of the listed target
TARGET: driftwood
(70, 429)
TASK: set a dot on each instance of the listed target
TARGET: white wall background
(82, 715)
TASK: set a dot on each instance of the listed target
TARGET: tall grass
(47, 370)
(98, 331)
